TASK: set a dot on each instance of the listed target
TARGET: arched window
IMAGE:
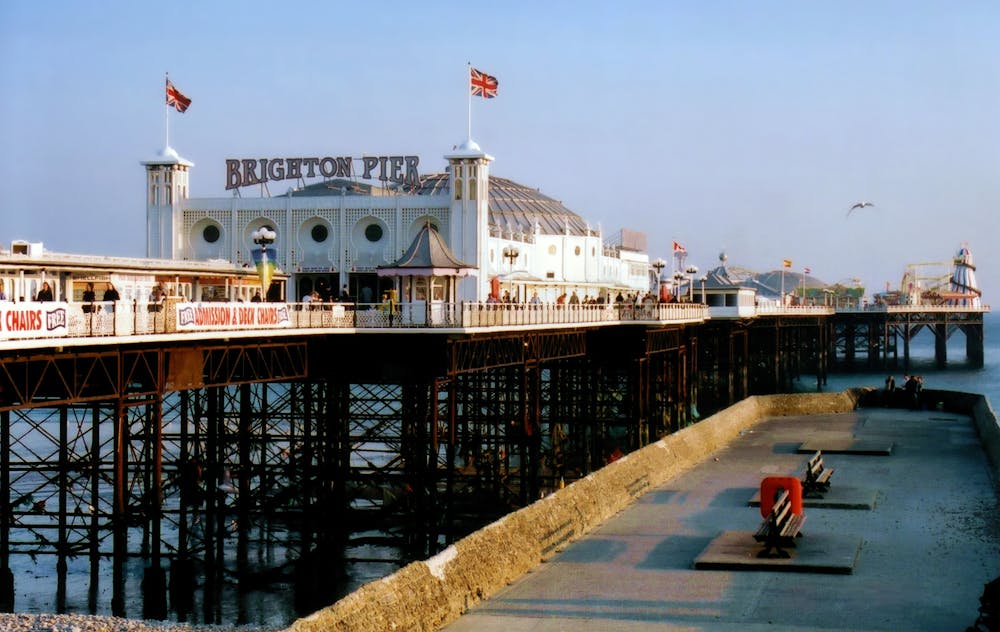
(458, 188)
(472, 188)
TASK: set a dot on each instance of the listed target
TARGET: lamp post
(703, 278)
(658, 265)
(678, 277)
(510, 253)
(264, 236)
(691, 271)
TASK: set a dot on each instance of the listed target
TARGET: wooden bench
(817, 480)
(780, 528)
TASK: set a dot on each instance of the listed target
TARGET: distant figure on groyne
(889, 396)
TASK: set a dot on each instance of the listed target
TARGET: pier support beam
(6, 575)
(974, 344)
(941, 345)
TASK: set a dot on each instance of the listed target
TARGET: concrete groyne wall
(989, 433)
(983, 416)
(428, 594)
(974, 405)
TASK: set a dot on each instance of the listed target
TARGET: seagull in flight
(858, 205)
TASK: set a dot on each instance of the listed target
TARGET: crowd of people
(909, 395)
(573, 298)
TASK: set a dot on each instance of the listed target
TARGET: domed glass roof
(515, 207)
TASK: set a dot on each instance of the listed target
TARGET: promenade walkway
(924, 551)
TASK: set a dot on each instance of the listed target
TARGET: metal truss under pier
(213, 470)
(872, 339)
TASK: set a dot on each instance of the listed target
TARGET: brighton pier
(233, 398)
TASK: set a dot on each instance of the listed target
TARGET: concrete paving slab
(847, 445)
(837, 497)
(930, 544)
(813, 553)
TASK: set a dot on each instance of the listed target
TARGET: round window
(576, 251)
(211, 234)
(319, 233)
(552, 249)
(373, 232)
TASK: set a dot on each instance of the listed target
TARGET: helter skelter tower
(964, 289)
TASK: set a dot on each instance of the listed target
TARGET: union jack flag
(482, 84)
(679, 248)
(176, 99)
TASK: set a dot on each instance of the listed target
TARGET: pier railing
(793, 310)
(517, 314)
(50, 320)
(914, 309)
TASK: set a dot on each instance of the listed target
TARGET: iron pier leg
(119, 519)
(209, 413)
(95, 507)
(974, 344)
(941, 345)
(6, 576)
(62, 485)
(243, 473)
(182, 569)
(154, 581)
(906, 346)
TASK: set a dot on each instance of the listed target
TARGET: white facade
(340, 239)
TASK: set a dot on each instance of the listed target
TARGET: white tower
(470, 208)
(166, 190)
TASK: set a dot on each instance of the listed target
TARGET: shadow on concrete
(734, 497)
(591, 551)
(661, 497)
(675, 552)
(786, 448)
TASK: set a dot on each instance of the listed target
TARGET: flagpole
(166, 114)
(782, 284)
(468, 94)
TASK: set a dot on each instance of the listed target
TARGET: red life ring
(769, 488)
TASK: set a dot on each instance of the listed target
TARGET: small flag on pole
(806, 270)
(679, 248)
(788, 263)
(176, 99)
(482, 84)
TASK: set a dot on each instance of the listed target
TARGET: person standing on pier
(111, 296)
(89, 296)
(44, 294)
(890, 391)
(911, 387)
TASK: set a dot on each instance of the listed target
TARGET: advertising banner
(217, 316)
(32, 320)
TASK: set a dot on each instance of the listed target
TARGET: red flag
(679, 248)
(482, 84)
(176, 99)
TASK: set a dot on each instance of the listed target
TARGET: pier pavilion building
(340, 230)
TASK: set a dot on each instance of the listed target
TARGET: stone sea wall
(428, 594)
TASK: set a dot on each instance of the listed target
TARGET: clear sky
(748, 127)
